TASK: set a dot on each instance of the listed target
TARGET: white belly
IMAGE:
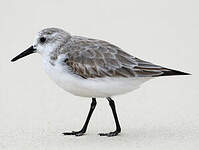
(98, 87)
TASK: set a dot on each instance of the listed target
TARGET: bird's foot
(110, 134)
(76, 133)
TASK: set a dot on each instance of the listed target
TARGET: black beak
(29, 51)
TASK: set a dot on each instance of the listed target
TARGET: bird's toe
(76, 133)
(110, 134)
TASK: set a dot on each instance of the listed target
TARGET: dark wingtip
(174, 72)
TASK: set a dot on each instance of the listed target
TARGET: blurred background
(162, 114)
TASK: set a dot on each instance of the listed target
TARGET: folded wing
(90, 58)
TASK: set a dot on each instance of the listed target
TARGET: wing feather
(90, 58)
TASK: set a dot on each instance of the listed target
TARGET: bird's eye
(42, 39)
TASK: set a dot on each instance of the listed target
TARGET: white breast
(98, 87)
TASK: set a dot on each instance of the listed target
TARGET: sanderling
(92, 68)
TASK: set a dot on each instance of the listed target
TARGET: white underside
(98, 87)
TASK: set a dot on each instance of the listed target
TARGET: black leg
(83, 130)
(118, 128)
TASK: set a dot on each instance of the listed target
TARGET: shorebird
(92, 68)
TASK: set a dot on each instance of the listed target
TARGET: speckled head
(46, 41)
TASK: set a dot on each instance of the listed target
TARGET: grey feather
(91, 58)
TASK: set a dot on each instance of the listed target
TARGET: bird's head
(46, 41)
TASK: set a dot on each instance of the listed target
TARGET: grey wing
(90, 58)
